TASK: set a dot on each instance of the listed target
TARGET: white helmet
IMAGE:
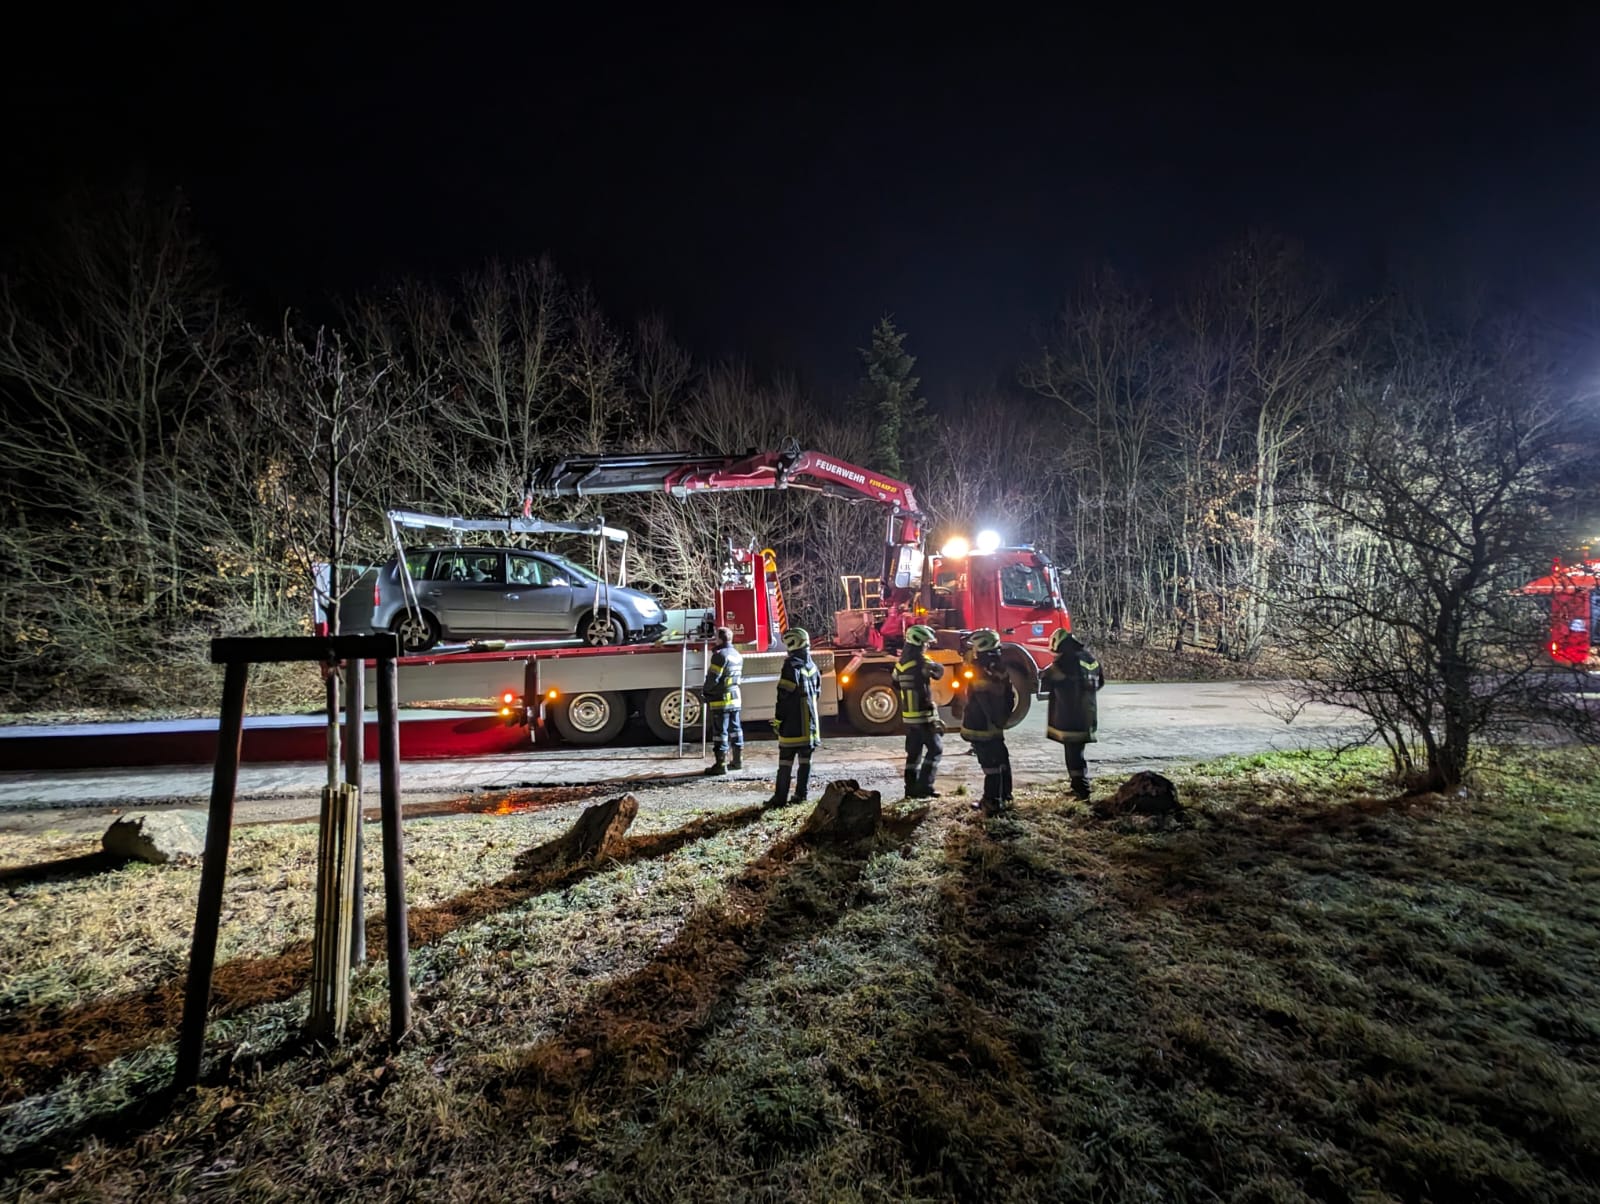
(796, 638)
(1059, 637)
(920, 636)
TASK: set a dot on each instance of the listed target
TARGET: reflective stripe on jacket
(913, 678)
(989, 705)
(724, 671)
(1072, 681)
(799, 685)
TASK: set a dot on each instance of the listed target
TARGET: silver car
(507, 593)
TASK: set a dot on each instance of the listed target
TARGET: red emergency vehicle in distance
(1572, 591)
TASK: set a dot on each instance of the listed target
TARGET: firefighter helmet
(796, 638)
(985, 639)
(1059, 637)
(920, 636)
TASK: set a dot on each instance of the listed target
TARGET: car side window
(554, 574)
(473, 567)
(526, 570)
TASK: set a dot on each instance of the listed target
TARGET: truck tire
(871, 705)
(592, 717)
(1024, 680)
(661, 714)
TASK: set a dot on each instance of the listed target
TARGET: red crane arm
(682, 474)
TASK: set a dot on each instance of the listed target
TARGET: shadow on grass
(41, 1046)
(67, 867)
(966, 1102)
(640, 1028)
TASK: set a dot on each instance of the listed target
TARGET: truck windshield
(1024, 585)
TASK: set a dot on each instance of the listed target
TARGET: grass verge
(1305, 990)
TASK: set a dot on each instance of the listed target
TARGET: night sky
(772, 184)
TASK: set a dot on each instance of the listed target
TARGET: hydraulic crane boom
(683, 473)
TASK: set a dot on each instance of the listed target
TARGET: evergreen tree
(890, 393)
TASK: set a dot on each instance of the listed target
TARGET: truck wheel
(661, 709)
(871, 705)
(1024, 680)
(591, 718)
(418, 632)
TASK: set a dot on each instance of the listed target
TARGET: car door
(466, 590)
(534, 603)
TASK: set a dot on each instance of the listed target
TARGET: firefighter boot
(991, 803)
(738, 757)
(718, 767)
(1080, 789)
(780, 790)
(925, 782)
(801, 782)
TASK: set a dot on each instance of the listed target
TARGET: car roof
(479, 549)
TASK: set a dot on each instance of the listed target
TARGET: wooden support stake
(394, 866)
(355, 743)
(208, 910)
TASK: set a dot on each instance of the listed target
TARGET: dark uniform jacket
(724, 671)
(795, 715)
(913, 678)
(1072, 681)
(990, 702)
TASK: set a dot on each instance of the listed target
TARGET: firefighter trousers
(725, 729)
(996, 762)
(924, 748)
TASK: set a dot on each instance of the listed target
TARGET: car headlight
(649, 609)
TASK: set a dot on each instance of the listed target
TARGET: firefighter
(1072, 682)
(795, 717)
(724, 670)
(914, 675)
(990, 700)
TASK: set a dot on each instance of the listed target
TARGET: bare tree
(1418, 542)
(108, 335)
(336, 417)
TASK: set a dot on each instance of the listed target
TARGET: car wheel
(661, 711)
(602, 628)
(591, 718)
(871, 705)
(418, 632)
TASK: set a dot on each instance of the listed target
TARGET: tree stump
(845, 812)
(595, 835)
(1145, 793)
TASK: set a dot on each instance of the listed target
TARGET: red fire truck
(587, 694)
(1574, 609)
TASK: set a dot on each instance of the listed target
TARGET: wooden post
(355, 743)
(394, 866)
(208, 910)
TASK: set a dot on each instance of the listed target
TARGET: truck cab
(1014, 590)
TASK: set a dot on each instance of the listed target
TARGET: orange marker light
(505, 712)
(552, 694)
(968, 674)
(844, 680)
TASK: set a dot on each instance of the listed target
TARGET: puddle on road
(504, 802)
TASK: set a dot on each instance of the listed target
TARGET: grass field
(1305, 990)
